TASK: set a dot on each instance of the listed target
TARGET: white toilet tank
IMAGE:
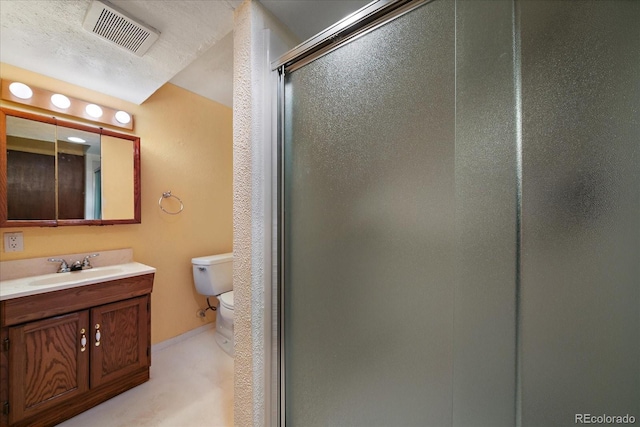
(213, 275)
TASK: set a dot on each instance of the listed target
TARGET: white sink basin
(55, 281)
(75, 276)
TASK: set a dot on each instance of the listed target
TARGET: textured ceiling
(194, 51)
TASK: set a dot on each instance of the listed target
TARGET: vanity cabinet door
(49, 363)
(120, 339)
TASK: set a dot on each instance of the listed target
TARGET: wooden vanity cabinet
(46, 366)
(123, 347)
(59, 359)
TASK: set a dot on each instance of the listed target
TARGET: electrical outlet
(13, 242)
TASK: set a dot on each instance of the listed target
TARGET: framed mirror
(55, 173)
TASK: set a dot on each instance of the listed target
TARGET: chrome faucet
(75, 266)
(64, 267)
(85, 262)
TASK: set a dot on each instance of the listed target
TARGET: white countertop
(34, 285)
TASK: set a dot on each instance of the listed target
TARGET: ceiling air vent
(104, 20)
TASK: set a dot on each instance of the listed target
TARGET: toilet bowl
(224, 322)
(213, 276)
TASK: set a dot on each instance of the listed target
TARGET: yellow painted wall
(186, 147)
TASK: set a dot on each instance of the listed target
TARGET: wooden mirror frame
(5, 222)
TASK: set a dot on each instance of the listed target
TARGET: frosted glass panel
(440, 266)
(581, 210)
(369, 226)
(486, 182)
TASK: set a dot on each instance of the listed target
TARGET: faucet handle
(85, 262)
(64, 267)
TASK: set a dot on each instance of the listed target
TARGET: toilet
(213, 276)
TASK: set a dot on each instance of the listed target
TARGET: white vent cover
(104, 20)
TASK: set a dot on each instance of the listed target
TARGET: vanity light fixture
(60, 101)
(20, 90)
(76, 139)
(20, 93)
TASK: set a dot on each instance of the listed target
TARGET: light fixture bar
(47, 100)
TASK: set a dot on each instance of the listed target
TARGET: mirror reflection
(31, 176)
(33, 148)
(79, 183)
(67, 174)
(118, 183)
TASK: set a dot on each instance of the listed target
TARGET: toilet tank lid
(212, 259)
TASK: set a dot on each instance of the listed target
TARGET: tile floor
(191, 385)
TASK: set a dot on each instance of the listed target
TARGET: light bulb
(94, 111)
(60, 101)
(20, 90)
(75, 139)
(123, 117)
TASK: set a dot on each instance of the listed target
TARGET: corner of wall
(251, 211)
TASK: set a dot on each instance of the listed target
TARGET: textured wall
(248, 318)
(252, 206)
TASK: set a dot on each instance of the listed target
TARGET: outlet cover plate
(13, 242)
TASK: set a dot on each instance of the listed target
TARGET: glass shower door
(369, 228)
(460, 219)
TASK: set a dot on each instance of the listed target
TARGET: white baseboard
(175, 340)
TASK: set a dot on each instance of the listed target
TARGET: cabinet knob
(83, 339)
(97, 334)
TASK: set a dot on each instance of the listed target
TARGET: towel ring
(166, 195)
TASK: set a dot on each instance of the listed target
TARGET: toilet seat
(226, 300)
